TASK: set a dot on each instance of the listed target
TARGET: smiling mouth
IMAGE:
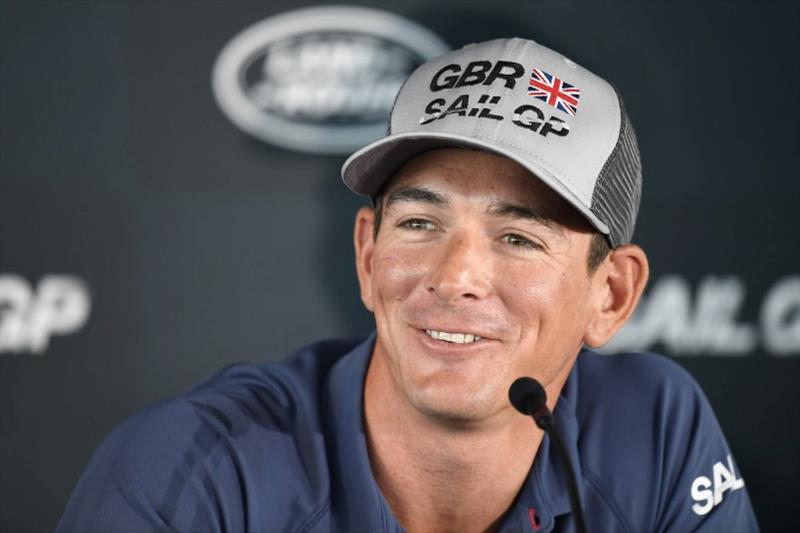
(455, 338)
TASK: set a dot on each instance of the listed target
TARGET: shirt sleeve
(160, 470)
(702, 487)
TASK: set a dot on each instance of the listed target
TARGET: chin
(456, 401)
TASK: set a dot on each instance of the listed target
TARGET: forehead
(480, 176)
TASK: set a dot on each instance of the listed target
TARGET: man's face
(476, 277)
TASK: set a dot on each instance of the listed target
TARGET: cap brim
(367, 170)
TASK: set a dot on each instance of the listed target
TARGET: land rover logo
(320, 79)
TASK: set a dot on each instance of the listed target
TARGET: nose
(462, 271)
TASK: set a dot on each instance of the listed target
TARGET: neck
(440, 476)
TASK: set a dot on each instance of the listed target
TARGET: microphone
(529, 398)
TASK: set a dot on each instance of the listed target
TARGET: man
(505, 197)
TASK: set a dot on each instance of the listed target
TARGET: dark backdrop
(198, 245)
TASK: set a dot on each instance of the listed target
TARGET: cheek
(549, 309)
(395, 275)
(547, 301)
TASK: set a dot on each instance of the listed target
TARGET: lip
(452, 349)
(455, 328)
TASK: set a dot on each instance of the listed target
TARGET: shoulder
(640, 398)
(636, 383)
(244, 435)
(622, 366)
(648, 434)
(269, 395)
(635, 415)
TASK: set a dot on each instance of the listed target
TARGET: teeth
(457, 338)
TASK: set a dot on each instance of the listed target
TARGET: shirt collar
(356, 496)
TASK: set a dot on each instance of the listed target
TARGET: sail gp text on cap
(507, 73)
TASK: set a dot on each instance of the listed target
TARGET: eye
(517, 241)
(417, 224)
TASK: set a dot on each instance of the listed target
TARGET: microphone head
(527, 395)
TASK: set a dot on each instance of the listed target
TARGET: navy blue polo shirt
(281, 447)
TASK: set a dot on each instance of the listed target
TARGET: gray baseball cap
(519, 99)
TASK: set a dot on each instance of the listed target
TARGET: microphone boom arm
(529, 397)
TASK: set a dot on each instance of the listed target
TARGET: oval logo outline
(228, 74)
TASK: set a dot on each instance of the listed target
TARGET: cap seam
(563, 178)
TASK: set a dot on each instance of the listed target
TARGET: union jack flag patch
(555, 91)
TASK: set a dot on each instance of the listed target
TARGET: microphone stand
(547, 423)
(529, 397)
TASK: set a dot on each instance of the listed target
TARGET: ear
(364, 242)
(617, 286)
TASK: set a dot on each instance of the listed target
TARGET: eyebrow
(503, 209)
(415, 194)
(525, 213)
